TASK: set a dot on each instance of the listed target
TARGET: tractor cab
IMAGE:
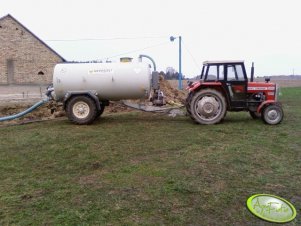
(231, 75)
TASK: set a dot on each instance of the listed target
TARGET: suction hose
(151, 59)
(33, 107)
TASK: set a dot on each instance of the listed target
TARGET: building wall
(24, 59)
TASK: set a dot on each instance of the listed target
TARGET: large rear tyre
(188, 102)
(81, 110)
(272, 114)
(208, 107)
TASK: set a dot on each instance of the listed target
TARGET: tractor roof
(223, 62)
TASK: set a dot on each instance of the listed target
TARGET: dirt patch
(117, 106)
(48, 111)
(172, 94)
(53, 109)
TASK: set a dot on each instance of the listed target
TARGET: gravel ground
(21, 94)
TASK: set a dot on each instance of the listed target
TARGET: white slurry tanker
(86, 88)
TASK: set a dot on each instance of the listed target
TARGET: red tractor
(224, 86)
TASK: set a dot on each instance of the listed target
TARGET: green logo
(271, 208)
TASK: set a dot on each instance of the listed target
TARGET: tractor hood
(261, 86)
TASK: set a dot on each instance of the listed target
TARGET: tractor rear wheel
(272, 114)
(208, 106)
(188, 102)
(81, 110)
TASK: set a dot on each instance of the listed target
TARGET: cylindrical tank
(111, 81)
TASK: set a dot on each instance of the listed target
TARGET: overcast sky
(267, 32)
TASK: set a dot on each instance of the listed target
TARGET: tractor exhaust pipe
(252, 72)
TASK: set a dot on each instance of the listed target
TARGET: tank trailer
(85, 89)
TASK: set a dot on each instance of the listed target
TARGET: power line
(137, 50)
(192, 57)
(105, 39)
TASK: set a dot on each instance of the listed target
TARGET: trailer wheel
(208, 106)
(255, 114)
(81, 110)
(272, 114)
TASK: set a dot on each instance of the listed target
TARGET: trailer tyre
(81, 110)
(272, 114)
(208, 106)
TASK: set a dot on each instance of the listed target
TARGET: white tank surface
(111, 81)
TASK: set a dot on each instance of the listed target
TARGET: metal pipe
(180, 62)
(151, 59)
(172, 38)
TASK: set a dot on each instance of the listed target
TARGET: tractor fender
(194, 86)
(197, 85)
(91, 94)
(266, 103)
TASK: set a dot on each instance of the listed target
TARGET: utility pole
(172, 38)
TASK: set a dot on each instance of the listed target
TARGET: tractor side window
(235, 73)
(240, 73)
(212, 72)
(231, 73)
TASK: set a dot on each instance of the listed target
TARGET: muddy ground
(15, 99)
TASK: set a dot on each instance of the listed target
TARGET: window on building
(41, 73)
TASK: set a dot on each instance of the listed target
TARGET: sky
(266, 32)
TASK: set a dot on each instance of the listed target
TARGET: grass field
(148, 169)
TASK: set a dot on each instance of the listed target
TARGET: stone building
(24, 58)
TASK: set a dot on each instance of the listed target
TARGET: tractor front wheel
(208, 106)
(272, 114)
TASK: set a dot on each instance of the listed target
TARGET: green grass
(148, 169)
